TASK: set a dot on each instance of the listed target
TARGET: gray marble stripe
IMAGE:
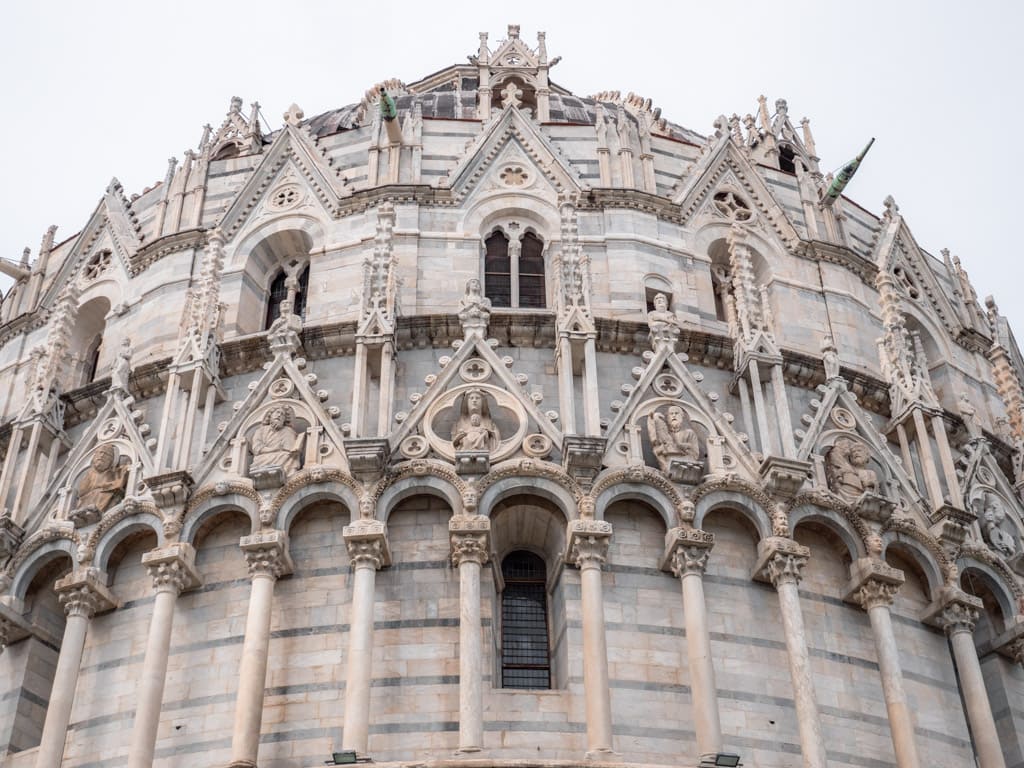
(647, 629)
(422, 727)
(933, 682)
(535, 726)
(96, 722)
(418, 566)
(24, 693)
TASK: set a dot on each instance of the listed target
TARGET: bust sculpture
(475, 430)
(847, 471)
(992, 516)
(671, 438)
(104, 482)
(275, 443)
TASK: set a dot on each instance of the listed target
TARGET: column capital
(367, 544)
(687, 551)
(85, 593)
(266, 554)
(955, 611)
(780, 561)
(172, 568)
(1010, 644)
(469, 537)
(587, 543)
(873, 583)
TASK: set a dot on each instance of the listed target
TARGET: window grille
(525, 657)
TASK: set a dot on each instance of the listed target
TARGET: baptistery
(480, 423)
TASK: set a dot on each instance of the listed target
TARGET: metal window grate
(498, 271)
(525, 661)
(531, 272)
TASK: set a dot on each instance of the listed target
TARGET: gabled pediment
(896, 251)
(838, 419)
(116, 424)
(521, 426)
(724, 168)
(315, 438)
(512, 134)
(293, 173)
(666, 381)
(112, 227)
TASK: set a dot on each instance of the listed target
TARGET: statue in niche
(992, 516)
(475, 430)
(104, 482)
(122, 367)
(275, 443)
(474, 307)
(662, 321)
(830, 358)
(846, 467)
(671, 438)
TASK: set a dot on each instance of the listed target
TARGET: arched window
(92, 360)
(525, 656)
(498, 270)
(787, 159)
(279, 292)
(514, 269)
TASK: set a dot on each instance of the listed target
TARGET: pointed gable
(724, 166)
(292, 166)
(513, 129)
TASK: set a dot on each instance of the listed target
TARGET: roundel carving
(476, 417)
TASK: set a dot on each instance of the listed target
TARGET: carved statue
(275, 443)
(671, 438)
(474, 307)
(662, 321)
(475, 430)
(104, 482)
(846, 467)
(830, 357)
(992, 516)
(122, 367)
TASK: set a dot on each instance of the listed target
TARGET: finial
(294, 115)
(236, 105)
(542, 48)
(24, 256)
(781, 107)
(513, 31)
(805, 124)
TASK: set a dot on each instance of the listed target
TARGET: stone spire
(380, 281)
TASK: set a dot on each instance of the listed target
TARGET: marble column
(368, 551)
(469, 537)
(587, 549)
(266, 554)
(173, 571)
(686, 555)
(780, 561)
(957, 616)
(874, 587)
(83, 594)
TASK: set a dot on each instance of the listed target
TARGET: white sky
(101, 89)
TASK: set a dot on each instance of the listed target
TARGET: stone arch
(549, 483)
(633, 490)
(105, 540)
(209, 509)
(532, 209)
(753, 511)
(89, 337)
(836, 522)
(35, 560)
(283, 244)
(292, 506)
(911, 548)
(971, 568)
(429, 485)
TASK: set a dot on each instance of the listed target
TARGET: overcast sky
(102, 89)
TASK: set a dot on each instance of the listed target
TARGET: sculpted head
(994, 512)
(675, 417)
(858, 454)
(660, 302)
(473, 286)
(103, 458)
(279, 416)
(474, 401)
